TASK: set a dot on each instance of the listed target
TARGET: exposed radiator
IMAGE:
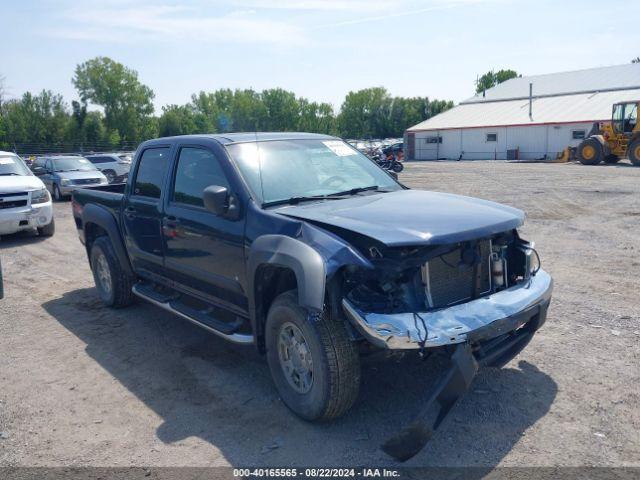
(451, 278)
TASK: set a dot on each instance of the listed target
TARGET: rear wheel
(634, 152)
(47, 230)
(112, 282)
(314, 364)
(397, 167)
(590, 152)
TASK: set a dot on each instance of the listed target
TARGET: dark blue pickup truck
(302, 246)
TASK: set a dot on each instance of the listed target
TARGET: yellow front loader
(611, 141)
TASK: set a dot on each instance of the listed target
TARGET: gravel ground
(84, 385)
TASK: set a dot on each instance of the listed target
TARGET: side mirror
(215, 199)
(38, 170)
(219, 202)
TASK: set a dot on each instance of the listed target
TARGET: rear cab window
(151, 171)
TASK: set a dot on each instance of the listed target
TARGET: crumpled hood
(412, 217)
(14, 184)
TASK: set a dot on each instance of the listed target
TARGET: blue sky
(320, 49)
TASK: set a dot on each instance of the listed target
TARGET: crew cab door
(203, 251)
(142, 210)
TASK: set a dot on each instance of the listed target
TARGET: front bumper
(475, 321)
(13, 220)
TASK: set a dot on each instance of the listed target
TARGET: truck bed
(109, 197)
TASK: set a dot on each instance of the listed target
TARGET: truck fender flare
(605, 145)
(305, 262)
(105, 220)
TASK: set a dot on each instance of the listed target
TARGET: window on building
(151, 171)
(437, 139)
(578, 134)
(492, 137)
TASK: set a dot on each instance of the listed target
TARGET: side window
(97, 159)
(197, 169)
(492, 137)
(48, 164)
(152, 168)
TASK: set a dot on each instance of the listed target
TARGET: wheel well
(270, 281)
(91, 232)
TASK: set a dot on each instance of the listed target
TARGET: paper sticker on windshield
(6, 161)
(339, 148)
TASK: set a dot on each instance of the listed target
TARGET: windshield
(13, 165)
(71, 164)
(284, 169)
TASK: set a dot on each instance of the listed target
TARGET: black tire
(397, 167)
(634, 152)
(336, 365)
(57, 195)
(611, 159)
(48, 230)
(110, 174)
(115, 289)
(590, 152)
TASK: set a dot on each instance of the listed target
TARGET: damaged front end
(424, 297)
(478, 302)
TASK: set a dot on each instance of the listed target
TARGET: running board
(241, 338)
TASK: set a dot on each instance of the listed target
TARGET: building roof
(601, 79)
(565, 97)
(584, 107)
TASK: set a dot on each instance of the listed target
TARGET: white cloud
(162, 22)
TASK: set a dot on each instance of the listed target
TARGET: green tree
(282, 110)
(316, 117)
(34, 121)
(491, 79)
(127, 103)
(364, 113)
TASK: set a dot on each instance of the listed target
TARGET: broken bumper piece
(477, 320)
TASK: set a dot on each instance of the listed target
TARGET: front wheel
(110, 174)
(634, 152)
(57, 195)
(47, 230)
(314, 364)
(397, 167)
(113, 283)
(590, 152)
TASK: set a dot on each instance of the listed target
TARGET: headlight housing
(40, 196)
(65, 181)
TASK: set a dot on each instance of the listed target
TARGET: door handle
(130, 212)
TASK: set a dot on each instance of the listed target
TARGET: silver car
(63, 174)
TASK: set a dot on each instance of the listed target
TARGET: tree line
(39, 122)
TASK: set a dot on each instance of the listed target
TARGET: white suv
(114, 166)
(25, 203)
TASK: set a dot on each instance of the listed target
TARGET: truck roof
(228, 138)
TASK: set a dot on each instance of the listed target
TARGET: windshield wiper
(296, 200)
(69, 170)
(354, 191)
(10, 173)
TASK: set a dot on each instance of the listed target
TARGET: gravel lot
(85, 385)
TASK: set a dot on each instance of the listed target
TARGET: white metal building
(539, 116)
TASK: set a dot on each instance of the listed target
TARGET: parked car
(25, 203)
(302, 246)
(63, 174)
(114, 166)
